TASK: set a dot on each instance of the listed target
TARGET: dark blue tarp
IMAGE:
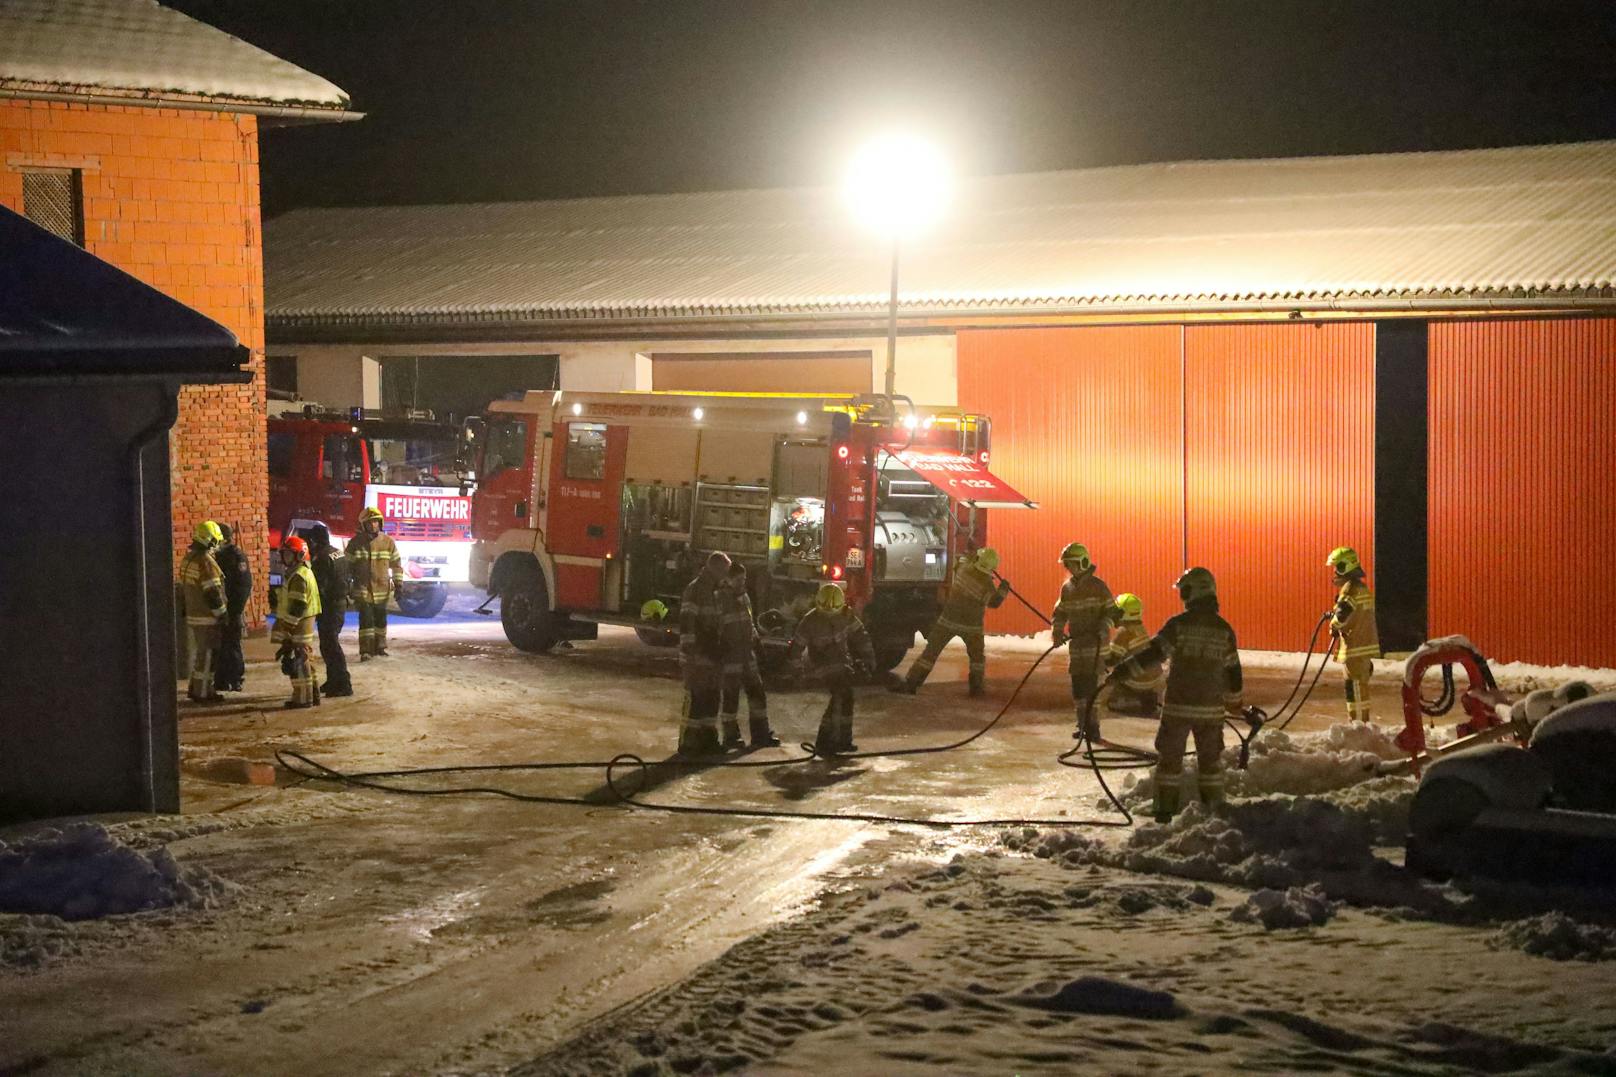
(65, 311)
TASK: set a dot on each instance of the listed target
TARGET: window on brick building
(53, 198)
(280, 374)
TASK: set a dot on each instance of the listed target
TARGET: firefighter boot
(976, 688)
(1088, 726)
(825, 739)
(732, 733)
(844, 728)
(1167, 799)
(762, 736)
(1211, 789)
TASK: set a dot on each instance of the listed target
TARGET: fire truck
(589, 506)
(326, 466)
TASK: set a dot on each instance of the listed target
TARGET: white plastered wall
(345, 375)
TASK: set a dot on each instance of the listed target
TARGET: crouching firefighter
(970, 596)
(1082, 620)
(296, 616)
(838, 650)
(701, 655)
(1353, 625)
(1204, 687)
(741, 671)
(1138, 695)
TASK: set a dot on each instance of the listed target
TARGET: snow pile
(83, 873)
(1558, 937)
(1295, 906)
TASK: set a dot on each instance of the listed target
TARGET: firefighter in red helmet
(296, 615)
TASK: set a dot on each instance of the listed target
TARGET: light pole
(897, 185)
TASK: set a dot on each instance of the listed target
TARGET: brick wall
(171, 197)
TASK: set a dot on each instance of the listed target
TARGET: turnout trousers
(1359, 668)
(738, 678)
(698, 719)
(204, 646)
(836, 724)
(1172, 737)
(229, 666)
(305, 677)
(941, 634)
(336, 663)
(372, 627)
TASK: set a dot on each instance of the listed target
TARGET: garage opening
(762, 372)
(460, 385)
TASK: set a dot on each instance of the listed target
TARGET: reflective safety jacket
(1203, 673)
(970, 596)
(1084, 614)
(374, 566)
(1354, 621)
(833, 641)
(202, 587)
(701, 626)
(1132, 639)
(298, 606)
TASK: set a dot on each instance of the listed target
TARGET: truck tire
(524, 610)
(422, 599)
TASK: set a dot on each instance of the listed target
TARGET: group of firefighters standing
(318, 584)
(1187, 674)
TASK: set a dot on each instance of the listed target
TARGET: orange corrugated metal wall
(1280, 443)
(1087, 423)
(1523, 488)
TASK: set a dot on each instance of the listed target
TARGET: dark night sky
(473, 100)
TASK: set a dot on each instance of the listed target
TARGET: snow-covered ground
(289, 927)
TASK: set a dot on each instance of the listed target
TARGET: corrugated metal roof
(1510, 224)
(139, 47)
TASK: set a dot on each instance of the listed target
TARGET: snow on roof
(1504, 226)
(138, 48)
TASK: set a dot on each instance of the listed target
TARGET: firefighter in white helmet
(1082, 620)
(701, 655)
(838, 651)
(1139, 694)
(202, 594)
(1352, 624)
(375, 569)
(970, 596)
(1204, 686)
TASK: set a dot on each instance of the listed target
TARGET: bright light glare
(577, 409)
(898, 184)
(802, 418)
(698, 414)
(910, 422)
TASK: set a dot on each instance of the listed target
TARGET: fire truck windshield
(415, 461)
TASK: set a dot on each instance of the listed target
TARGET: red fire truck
(590, 505)
(326, 466)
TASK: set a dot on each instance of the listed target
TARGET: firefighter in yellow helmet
(838, 651)
(296, 619)
(1352, 624)
(1138, 694)
(203, 598)
(701, 655)
(1082, 619)
(375, 569)
(970, 596)
(1204, 686)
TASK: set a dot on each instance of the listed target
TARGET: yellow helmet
(654, 609)
(207, 533)
(829, 598)
(1196, 583)
(1344, 559)
(1076, 554)
(371, 512)
(987, 559)
(1132, 609)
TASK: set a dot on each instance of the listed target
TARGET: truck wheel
(422, 599)
(524, 610)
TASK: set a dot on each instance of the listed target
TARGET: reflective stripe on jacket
(1203, 665)
(1132, 639)
(970, 596)
(1354, 621)
(297, 606)
(833, 641)
(374, 565)
(701, 625)
(202, 587)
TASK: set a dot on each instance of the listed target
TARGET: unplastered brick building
(132, 130)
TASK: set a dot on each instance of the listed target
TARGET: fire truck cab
(590, 505)
(326, 466)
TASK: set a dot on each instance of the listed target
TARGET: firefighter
(203, 596)
(330, 570)
(1204, 687)
(1138, 695)
(229, 667)
(1352, 624)
(838, 651)
(295, 617)
(741, 671)
(1083, 618)
(701, 655)
(375, 569)
(970, 596)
